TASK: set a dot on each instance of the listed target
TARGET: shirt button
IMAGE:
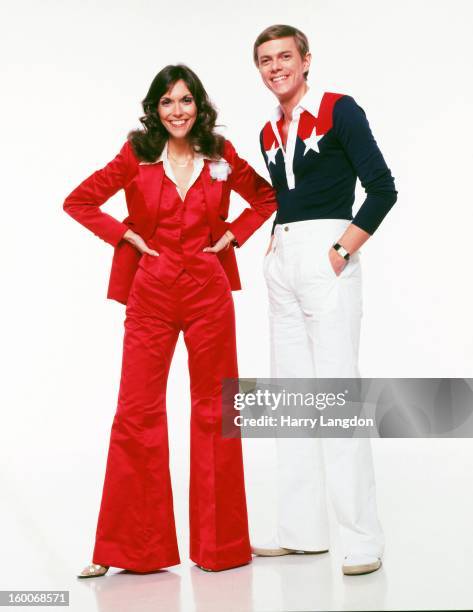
(286, 229)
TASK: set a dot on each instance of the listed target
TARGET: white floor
(426, 505)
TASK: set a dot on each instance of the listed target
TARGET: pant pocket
(328, 268)
(352, 267)
(267, 261)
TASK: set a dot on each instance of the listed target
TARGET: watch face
(341, 251)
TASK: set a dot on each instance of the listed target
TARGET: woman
(177, 174)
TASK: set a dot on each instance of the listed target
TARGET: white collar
(309, 102)
(168, 171)
(164, 157)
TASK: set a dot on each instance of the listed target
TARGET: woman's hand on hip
(222, 243)
(137, 241)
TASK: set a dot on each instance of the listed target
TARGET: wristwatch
(341, 251)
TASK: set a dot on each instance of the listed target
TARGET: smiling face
(282, 67)
(177, 110)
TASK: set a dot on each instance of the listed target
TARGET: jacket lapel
(213, 190)
(151, 179)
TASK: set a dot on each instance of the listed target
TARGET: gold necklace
(180, 164)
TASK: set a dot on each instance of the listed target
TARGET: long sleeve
(266, 162)
(83, 203)
(354, 134)
(255, 190)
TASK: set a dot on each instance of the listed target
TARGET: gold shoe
(94, 570)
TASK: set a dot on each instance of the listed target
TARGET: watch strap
(341, 251)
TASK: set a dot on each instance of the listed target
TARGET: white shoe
(272, 549)
(354, 565)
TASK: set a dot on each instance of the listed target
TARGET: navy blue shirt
(327, 148)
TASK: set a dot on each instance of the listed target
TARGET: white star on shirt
(311, 143)
(271, 154)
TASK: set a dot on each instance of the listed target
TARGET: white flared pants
(315, 328)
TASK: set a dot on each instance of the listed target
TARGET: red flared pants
(136, 528)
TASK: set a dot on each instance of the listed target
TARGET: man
(315, 146)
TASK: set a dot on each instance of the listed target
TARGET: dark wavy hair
(149, 142)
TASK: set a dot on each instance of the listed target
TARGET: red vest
(181, 234)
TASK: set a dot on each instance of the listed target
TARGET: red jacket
(142, 184)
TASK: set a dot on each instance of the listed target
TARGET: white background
(73, 75)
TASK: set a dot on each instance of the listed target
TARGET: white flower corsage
(220, 170)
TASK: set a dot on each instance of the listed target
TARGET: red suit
(182, 289)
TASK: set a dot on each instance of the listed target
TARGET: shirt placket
(288, 153)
